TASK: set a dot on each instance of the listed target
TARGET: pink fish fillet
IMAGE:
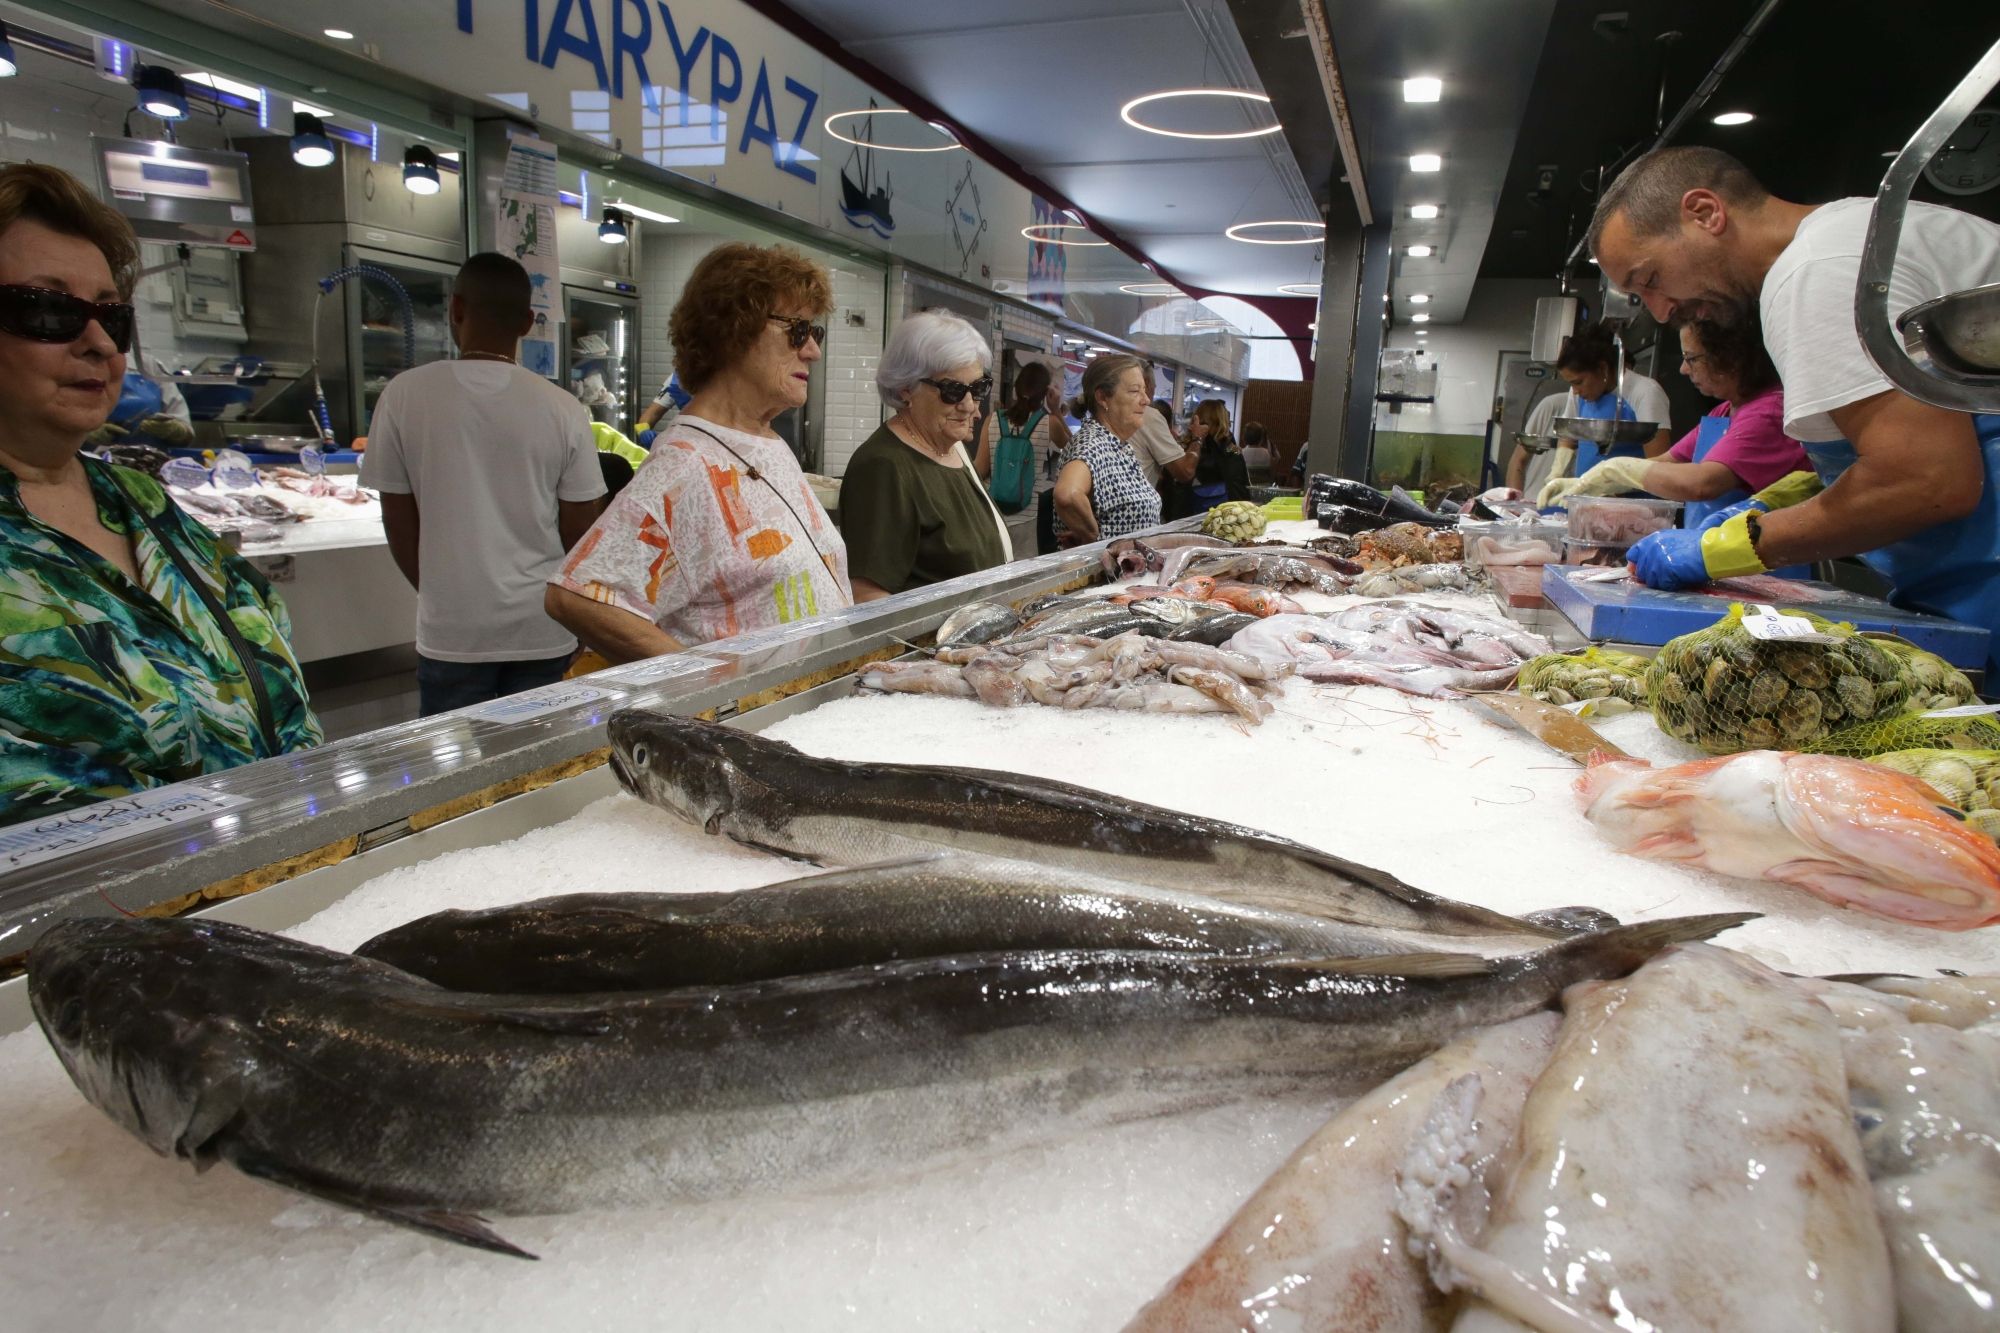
(1856, 834)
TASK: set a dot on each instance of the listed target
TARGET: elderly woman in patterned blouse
(134, 650)
(1101, 492)
(718, 532)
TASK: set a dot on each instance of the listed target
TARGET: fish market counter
(513, 801)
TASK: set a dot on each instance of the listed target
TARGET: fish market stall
(1077, 1228)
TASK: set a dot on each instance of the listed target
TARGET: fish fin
(1638, 942)
(464, 1228)
(1398, 965)
(558, 1022)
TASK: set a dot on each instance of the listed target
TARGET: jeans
(443, 686)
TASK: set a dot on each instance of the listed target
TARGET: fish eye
(69, 1018)
(639, 754)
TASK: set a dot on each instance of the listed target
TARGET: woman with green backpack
(1017, 451)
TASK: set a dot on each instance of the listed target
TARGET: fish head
(681, 764)
(129, 1006)
(1892, 844)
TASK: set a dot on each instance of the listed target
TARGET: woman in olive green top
(912, 509)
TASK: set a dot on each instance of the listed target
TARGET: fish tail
(1615, 952)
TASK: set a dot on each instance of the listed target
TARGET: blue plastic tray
(1629, 612)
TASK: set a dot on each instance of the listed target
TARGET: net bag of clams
(1934, 682)
(1594, 673)
(1969, 779)
(1912, 731)
(1724, 689)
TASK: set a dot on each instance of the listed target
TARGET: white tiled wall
(850, 410)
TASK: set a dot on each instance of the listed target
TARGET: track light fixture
(420, 170)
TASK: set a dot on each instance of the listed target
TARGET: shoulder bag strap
(1000, 523)
(245, 657)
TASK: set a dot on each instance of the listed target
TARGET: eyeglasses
(1696, 358)
(45, 315)
(798, 329)
(952, 391)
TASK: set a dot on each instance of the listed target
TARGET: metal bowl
(1961, 331)
(1537, 444)
(1605, 432)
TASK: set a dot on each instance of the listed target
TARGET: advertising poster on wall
(525, 227)
(1048, 265)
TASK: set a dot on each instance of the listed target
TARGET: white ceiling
(1043, 84)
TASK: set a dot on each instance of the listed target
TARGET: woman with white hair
(912, 509)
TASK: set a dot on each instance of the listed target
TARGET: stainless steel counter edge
(353, 794)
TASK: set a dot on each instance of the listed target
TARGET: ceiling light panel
(1734, 118)
(1426, 162)
(1423, 89)
(1423, 212)
(1419, 252)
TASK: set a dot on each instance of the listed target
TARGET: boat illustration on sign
(862, 202)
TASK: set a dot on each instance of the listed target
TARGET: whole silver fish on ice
(765, 793)
(356, 1083)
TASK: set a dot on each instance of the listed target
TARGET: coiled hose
(322, 416)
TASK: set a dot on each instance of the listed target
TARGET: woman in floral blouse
(134, 650)
(1101, 492)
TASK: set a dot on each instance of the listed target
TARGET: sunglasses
(45, 315)
(951, 391)
(797, 330)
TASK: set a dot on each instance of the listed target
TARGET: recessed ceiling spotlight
(828, 124)
(1734, 118)
(1235, 233)
(1423, 89)
(1423, 212)
(1241, 94)
(1426, 162)
(340, 34)
(1420, 298)
(1299, 289)
(1420, 319)
(1029, 232)
(1419, 252)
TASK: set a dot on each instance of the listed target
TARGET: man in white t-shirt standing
(1157, 448)
(1912, 489)
(488, 473)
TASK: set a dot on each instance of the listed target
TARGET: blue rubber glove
(1723, 515)
(1670, 559)
(645, 440)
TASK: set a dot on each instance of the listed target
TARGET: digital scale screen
(178, 195)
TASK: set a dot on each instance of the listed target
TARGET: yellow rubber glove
(1556, 491)
(1790, 489)
(1726, 551)
(1614, 476)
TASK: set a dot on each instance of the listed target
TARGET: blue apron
(1605, 407)
(1952, 569)
(1707, 435)
(1208, 497)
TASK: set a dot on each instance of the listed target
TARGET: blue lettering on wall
(632, 44)
(788, 156)
(719, 92)
(625, 44)
(587, 47)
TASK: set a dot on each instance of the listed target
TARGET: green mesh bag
(1912, 731)
(1969, 779)
(1934, 682)
(1725, 690)
(1594, 673)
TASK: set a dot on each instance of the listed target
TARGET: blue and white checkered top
(1120, 496)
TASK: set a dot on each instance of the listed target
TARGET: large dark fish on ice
(947, 903)
(353, 1082)
(767, 794)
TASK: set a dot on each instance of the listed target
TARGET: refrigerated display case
(376, 345)
(602, 363)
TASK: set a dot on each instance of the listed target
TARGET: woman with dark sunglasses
(718, 532)
(912, 507)
(134, 650)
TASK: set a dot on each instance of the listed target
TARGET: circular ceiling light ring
(1030, 231)
(1125, 113)
(1234, 233)
(1299, 289)
(1149, 289)
(827, 125)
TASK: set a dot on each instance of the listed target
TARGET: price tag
(1770, 625)
(1965, 710)
(38, 840)
(534, 703)
(185, 473)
